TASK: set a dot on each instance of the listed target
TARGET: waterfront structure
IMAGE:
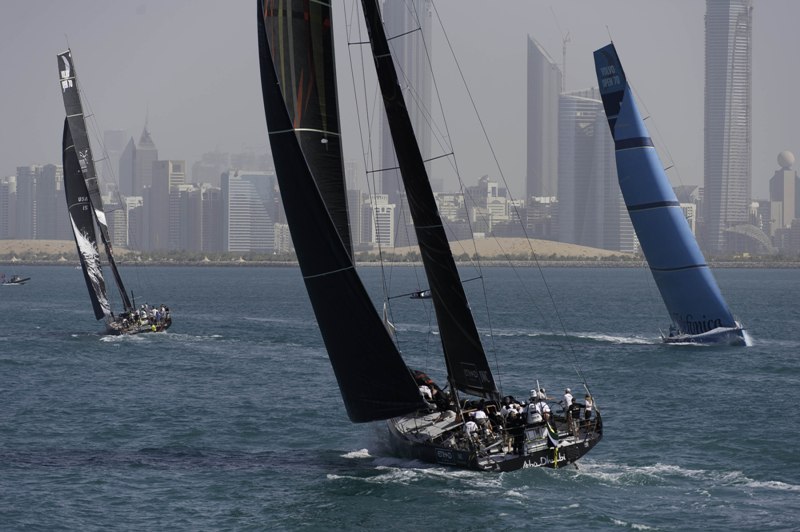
(727, 141)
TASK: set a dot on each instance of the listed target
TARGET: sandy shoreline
(548, 254)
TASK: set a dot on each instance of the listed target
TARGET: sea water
(233, 420)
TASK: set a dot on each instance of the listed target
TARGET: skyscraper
(248, 201)
(727, 160)
(544, 88)
(51, 217)
(410, 57)
(113, 145)
(136, 165)
(784, 194)
(590, 207)
(166, 176)
(146, 155)
(27, 180)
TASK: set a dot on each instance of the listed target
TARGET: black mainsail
(80, 215)
(83, 151)
(299, 90)
(467, 366)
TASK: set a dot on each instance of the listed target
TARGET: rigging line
(497, 163)
(661, 145)
(368, 154)
(454, 162)
(384, 276)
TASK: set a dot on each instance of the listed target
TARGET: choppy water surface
(232, 420)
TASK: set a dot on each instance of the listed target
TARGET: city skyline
(166, 62)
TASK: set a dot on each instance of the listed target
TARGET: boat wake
(625, 475)
(396, 470)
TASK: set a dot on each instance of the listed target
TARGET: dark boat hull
(16, 281)
(499, 459)
(137, 329)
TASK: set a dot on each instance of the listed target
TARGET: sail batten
(296, 44)
(689, 290)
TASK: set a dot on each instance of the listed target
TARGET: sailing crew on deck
(568, 399)
(426, 392)
(482, 420)
(537, 410)
(472, 429)
(588, 405)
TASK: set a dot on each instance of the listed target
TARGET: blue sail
(690, 293)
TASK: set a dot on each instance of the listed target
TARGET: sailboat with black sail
(442, 426)
(85, 207)
(695, 304)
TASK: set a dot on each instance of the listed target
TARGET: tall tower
(146, 155)
(166, 176)
(544, 88)
(590, 207)
(727, 161)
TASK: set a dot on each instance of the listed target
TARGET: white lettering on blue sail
(608, 70)
(611, 81)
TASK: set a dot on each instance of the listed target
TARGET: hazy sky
(193, 64)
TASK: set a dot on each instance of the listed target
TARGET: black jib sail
(466, 360)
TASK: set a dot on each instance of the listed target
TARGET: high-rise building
(51, 213)
(146, 155)
(136, 165)
(166, 175)
(8, 207)
(411, 59)
(784, 195)
(27, 180)
(591, 211)
(727, 159)
(113, 146)
(248, 200)
(211, 218)
(544, 89)
(379, 220)
(185, 217)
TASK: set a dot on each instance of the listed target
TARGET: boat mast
(468, 369)
(77, 126)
